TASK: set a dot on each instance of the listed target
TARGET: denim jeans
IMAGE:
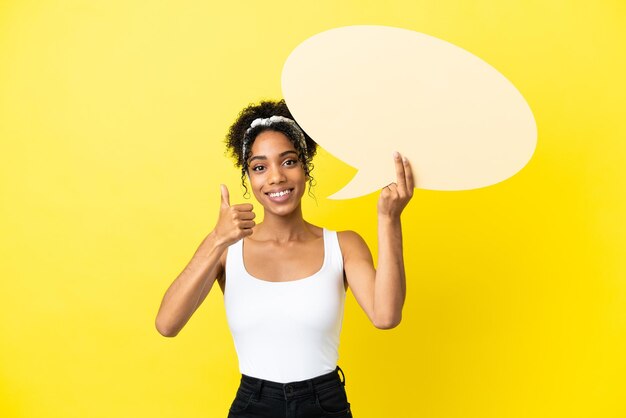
(321, 396)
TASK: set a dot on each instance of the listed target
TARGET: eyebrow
(263, 157)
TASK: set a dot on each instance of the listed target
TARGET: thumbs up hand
(234, 222)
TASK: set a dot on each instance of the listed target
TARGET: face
(273, 167)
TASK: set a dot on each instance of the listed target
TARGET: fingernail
(396, 154)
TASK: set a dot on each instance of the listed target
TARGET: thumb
(225, 196)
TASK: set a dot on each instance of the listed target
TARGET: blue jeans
(321, 396)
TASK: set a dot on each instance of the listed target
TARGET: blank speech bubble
(362, 92)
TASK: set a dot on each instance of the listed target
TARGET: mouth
(280, 195)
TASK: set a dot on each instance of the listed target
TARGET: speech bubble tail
(360, 185)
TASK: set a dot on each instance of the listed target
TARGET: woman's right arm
(196, 280)
(182, 297)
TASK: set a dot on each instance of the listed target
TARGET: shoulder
(349, 237)
(352, 244)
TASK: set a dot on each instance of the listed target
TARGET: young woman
(284, 280)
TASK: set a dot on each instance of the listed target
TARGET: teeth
(284, 192)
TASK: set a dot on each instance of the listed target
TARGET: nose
(276, 175)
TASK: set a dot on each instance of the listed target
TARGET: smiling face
(276, 175)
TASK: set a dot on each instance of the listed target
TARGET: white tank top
(286, 331)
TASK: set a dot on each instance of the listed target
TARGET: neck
(282, 229)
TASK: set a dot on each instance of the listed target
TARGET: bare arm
(194, 283)
(381, 292)
(184, 295)
(390, 288)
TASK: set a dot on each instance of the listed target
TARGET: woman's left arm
(381, 292)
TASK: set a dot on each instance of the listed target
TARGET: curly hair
(265, 109)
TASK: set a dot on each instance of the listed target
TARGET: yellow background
(112, 116)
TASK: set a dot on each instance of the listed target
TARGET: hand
(234, 222)
(395, 196)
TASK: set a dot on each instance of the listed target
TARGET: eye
(292, 162)
(256, 166)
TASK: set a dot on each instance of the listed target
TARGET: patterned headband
(295, 129)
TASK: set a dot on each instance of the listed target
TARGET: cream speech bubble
(362, 92)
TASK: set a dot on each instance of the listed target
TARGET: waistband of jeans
(291, 389)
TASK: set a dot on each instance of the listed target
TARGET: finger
(410, 184)
(243, 207)
(399, 171)
(246, 224)
(388, 191)
(393, 190)
(247, 215)
(225, 196)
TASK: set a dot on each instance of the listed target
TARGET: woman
(284, 310)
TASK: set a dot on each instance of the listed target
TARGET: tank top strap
(331, 244)
(234, 267)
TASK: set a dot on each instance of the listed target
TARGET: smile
(279, 194)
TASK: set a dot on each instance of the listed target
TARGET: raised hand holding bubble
(234, 222)
(395, 196)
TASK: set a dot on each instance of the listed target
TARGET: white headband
(268, 122)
